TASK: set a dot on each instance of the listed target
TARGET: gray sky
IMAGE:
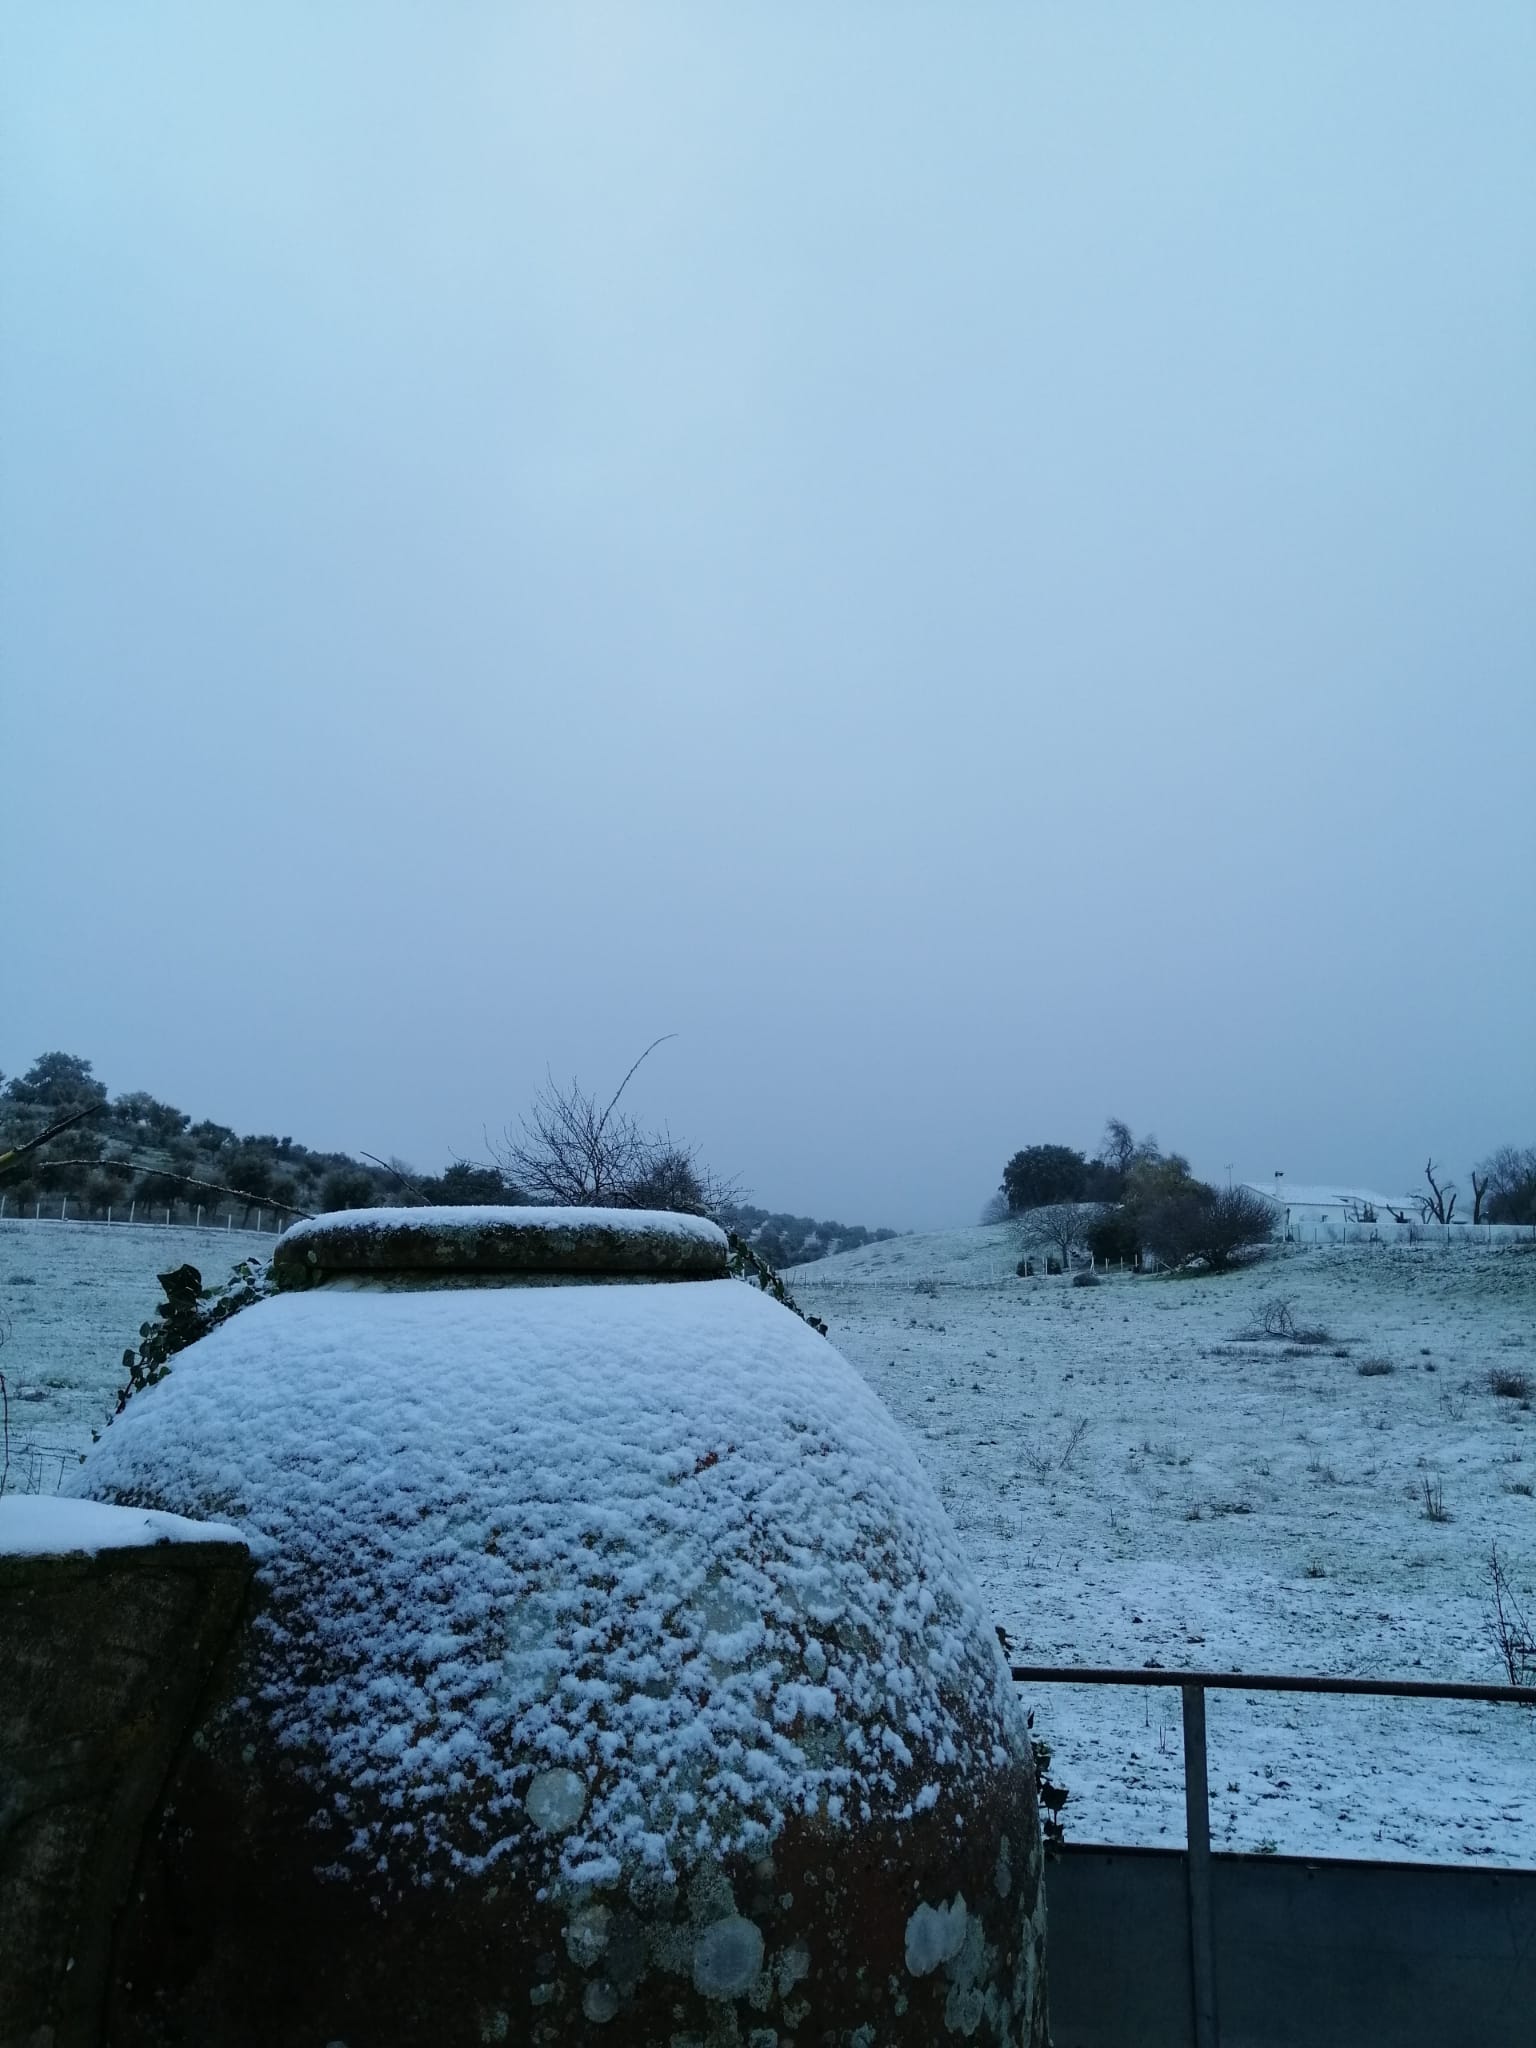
(976, 563)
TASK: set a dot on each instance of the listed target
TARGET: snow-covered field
(72, 1297)
(1135, 1481)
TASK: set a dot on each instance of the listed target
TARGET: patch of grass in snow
(1509, 1384)
(1375, 1368)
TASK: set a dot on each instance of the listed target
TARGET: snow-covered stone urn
(611, 1672)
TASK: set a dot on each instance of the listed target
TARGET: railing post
(1197, 1823)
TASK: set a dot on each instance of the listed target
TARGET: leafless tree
(1509, 1182)
(1062, 1227)
(1118, 1148)
(570, 1150)
(1439, 1205)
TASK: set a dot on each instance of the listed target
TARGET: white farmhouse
(1314, 1212)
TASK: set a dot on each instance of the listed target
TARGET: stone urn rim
(505, 1244)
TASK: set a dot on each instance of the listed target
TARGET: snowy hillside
(984, 1257)
(72, 1297)
(1140, 1483)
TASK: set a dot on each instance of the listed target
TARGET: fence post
(1197, 1825)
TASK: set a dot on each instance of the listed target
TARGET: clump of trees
(1131, 1199)
(1041, 1175)
(1504, 1186)
(1503, 1190)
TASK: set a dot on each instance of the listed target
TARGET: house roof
(1303, 1196)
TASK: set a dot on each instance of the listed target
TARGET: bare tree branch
(395, 1174)
(639, 1063)
(54, 1130)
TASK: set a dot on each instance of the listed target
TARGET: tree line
(1131, 1199)
(568, 1148)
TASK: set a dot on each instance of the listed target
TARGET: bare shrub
(1277, 1320)
(1374, 1368)
(1234, 1221)
(571, 1151)
(1074, 1442)
(1511, 1630)
(1435, 1509)
(1043, 1461)
(1509, 1384)
(1187, 1223)
(1277, 1316)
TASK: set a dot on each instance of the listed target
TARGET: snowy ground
(72, 1297)
(1137, 1484)
(1225, 1503)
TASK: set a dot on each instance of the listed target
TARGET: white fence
(1319, 1230)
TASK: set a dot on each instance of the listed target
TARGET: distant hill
(786, 1240)
(135, 1148)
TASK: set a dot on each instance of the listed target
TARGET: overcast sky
(976, 563)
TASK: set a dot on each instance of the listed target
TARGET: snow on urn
(611, 1673)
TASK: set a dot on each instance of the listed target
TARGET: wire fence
(160, 1215)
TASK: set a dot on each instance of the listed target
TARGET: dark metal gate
(1156, 1948)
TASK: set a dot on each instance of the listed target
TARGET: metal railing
(1193, 1687)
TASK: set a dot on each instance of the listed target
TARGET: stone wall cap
(48, 1525)
(579, 1243)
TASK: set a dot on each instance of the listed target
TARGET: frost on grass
(649, 1568)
